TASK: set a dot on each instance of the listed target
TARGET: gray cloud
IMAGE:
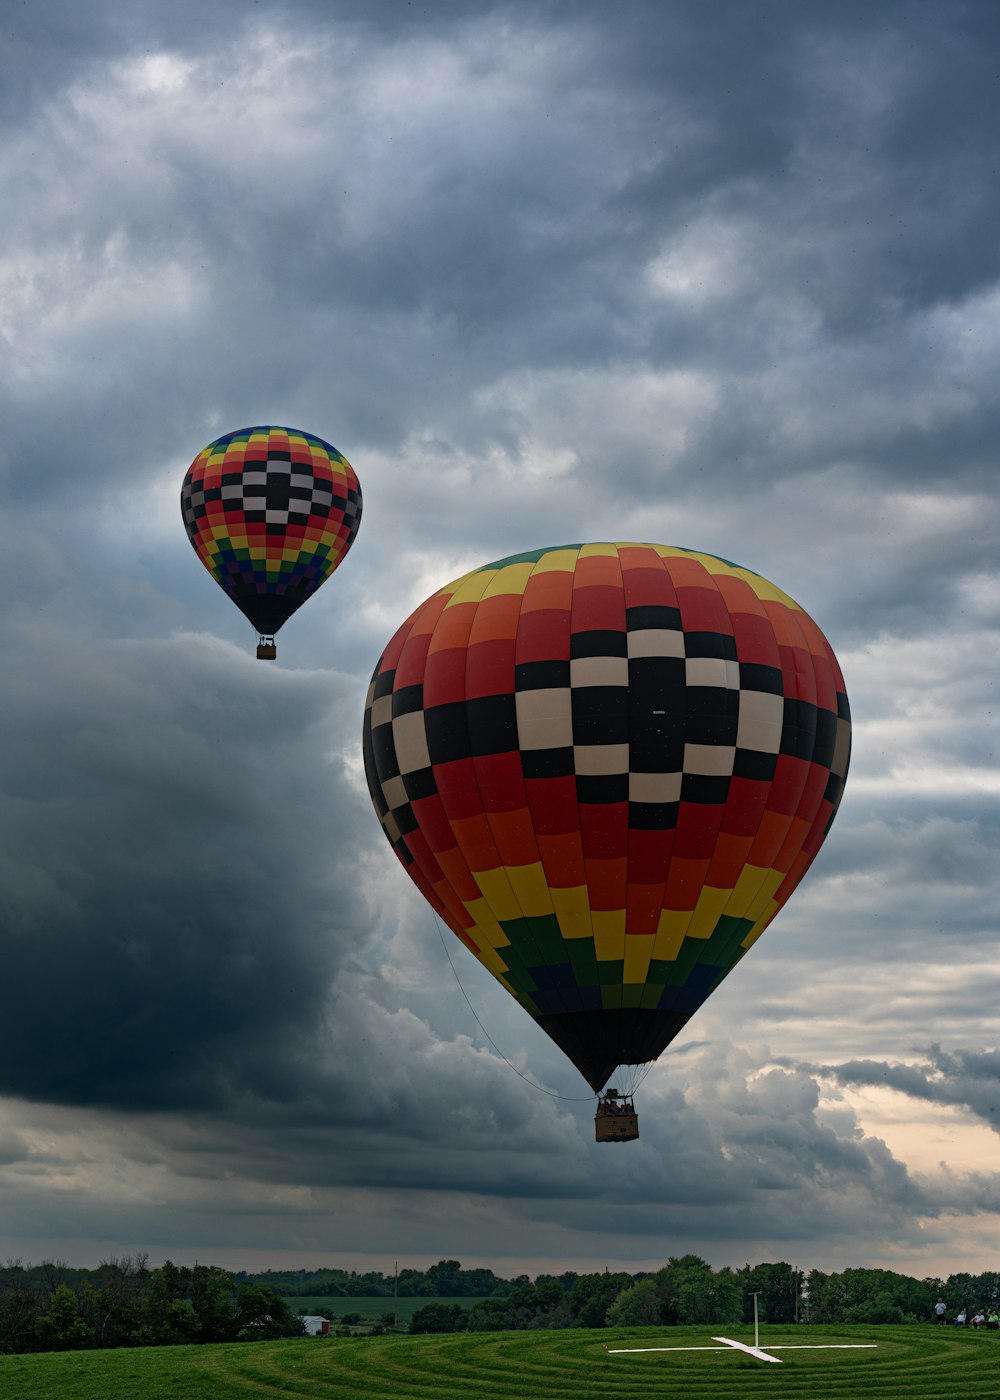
(447, 242)
(543, 273)
(177, 870)
(963, 1078)
(724, 1158)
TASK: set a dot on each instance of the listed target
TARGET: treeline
(446, 1279)
(123, 1303)
(687, 1290)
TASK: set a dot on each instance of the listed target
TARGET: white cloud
(709, 262)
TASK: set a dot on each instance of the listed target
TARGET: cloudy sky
(725, 277)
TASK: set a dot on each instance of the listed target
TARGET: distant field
(371, 1309)
(910, 1363)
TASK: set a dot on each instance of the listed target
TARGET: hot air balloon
(271, 512)
(607, 767)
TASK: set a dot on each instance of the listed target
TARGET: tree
(814, 1295)
(261, 1314)
(412, 1283)
(22, 1302)
(870, 1295)
(592, 1295)
(690, 1292)
(111, 1303)
(212, 1293)
(180, 1323)
(876, 1307)
(551, 1308)
(974, 1290)
(779, 1287)
(444, 1278)
(439, 1317)
(528, 1305)
(488, 1315)
(62, 1326)
(163, 1315)
(704, 1296)
(638, 1306)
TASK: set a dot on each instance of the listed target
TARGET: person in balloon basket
(940, 1312)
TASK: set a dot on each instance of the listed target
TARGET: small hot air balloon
(607, 767)
(271, 512)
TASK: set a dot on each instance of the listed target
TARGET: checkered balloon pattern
(271, 513)
(607, 767)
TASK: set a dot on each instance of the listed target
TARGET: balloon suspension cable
(640, 1076)
(551, 1093)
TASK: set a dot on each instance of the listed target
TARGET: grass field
(910, 1363)
(371, 1309)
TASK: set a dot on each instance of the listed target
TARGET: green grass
(911, 1363)
(371, 1309)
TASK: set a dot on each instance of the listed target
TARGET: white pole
(756, 1324)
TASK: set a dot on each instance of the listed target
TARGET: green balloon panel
(271, 512)
(607, 766)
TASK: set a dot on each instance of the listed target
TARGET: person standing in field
(940, 1312)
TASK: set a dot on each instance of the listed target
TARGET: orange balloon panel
(271, 513)
(606, 766)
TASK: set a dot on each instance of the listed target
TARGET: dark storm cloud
(709, 1149)
(725, 1158)
(544, 272)
(178, 862)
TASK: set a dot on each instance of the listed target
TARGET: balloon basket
(266, 649)
(616, 1119)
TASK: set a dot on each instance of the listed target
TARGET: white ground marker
(750, 1351)
(761, 1353)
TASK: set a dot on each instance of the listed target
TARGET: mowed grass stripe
(440, 1368)
(911, 1363)
(353, 1368)
(562, 1366)
(262, 1374)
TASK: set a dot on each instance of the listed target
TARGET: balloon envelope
(606, 767)
(271, 512)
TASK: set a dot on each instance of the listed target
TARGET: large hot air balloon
(607, 767)
(271, 512)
